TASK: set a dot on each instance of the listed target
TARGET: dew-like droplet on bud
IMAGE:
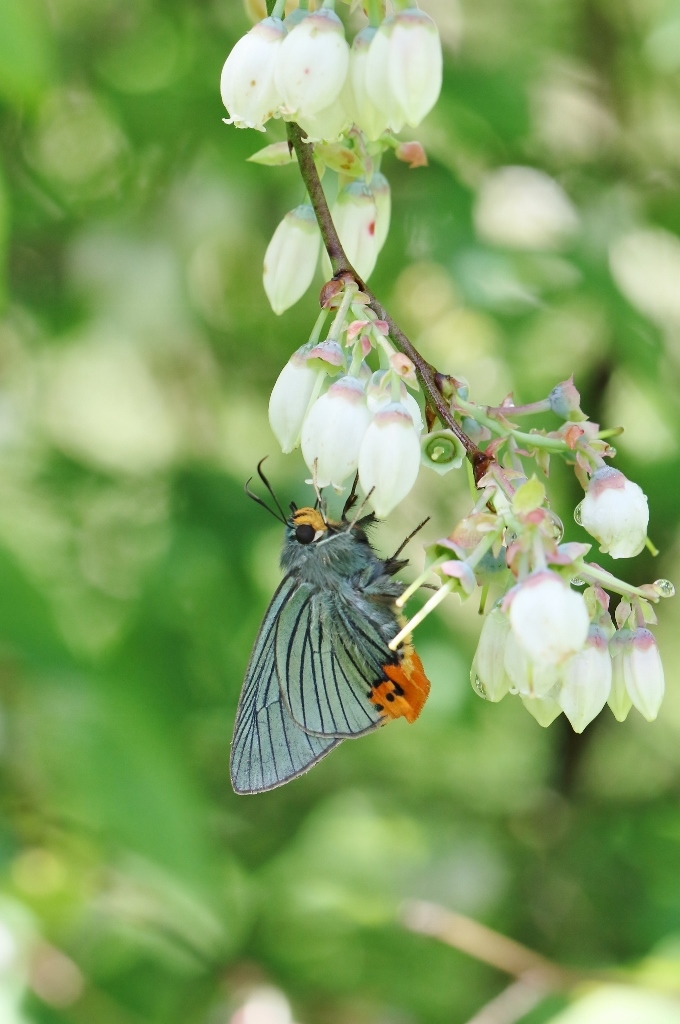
(578, 514)
(665, 588)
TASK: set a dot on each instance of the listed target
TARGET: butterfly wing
(269, 747)
(329, 659)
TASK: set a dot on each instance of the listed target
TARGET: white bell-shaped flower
(328, 124)
(389, 459)
(290, 399)
(370, 119)
(312, 65)
(528, 677)
(549, 619)
(291, 257)
(354, 215)
(247, 85)
(544, 709)
(404, 75)
(380, 190)
(487, 675)
(619, 699)
(586, 681)
(379, 394)
(643, 673)
(333, 431)
(615, 512)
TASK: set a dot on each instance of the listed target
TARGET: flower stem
(316, 330)
(608, 581)
(375, 12)
(341, 266)
(341, 315)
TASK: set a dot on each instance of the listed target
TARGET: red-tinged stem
(427, 374)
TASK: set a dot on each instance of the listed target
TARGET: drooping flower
(326, 125)
(366, 115)
(528, 677)
(333, 431)
(488, 675)
(643, 673)
(615, 512)
(380, 190)
(586, 681)
(290, 398)
(549, 619)
(389, 459)
(544, 709)
(312, 65)
(291, 257)
(379, 395)
(404, 74)
(619, 699)
(247, 84)
(354, 215)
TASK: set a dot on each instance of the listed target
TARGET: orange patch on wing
(404, 692)
(309, 517)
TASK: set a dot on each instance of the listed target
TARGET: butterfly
(321, 670)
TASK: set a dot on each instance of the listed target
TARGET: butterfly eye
(305, 534)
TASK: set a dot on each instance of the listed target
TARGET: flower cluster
(556, 647)
(350, 101)
(347, 417)
(347, 396)
(304, 70)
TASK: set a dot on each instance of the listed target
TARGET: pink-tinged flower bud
(389, 459)
(404, 76)
(487, 675)
(615, 512)
(354, 215)
(527, 677)
(370, 119)
(643, 673)
(586, 681)
(290, 399)
(619, 699)
(333, 431)
(290, 259)
(312, 65)
(565, 400)
(411, 153)
(247, 84)
(544, 709)
(380, 190)
(549, 619)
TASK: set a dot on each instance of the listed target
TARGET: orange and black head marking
(308, 525)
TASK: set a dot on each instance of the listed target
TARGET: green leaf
(277, 155)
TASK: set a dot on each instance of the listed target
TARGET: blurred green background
(137, 350)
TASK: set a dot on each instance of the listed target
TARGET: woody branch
(427, 374)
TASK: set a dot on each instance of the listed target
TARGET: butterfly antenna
(410, 537)
(351, 498)
(361, 508)
(269, 487)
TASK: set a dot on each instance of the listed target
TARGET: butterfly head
(307, 526)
